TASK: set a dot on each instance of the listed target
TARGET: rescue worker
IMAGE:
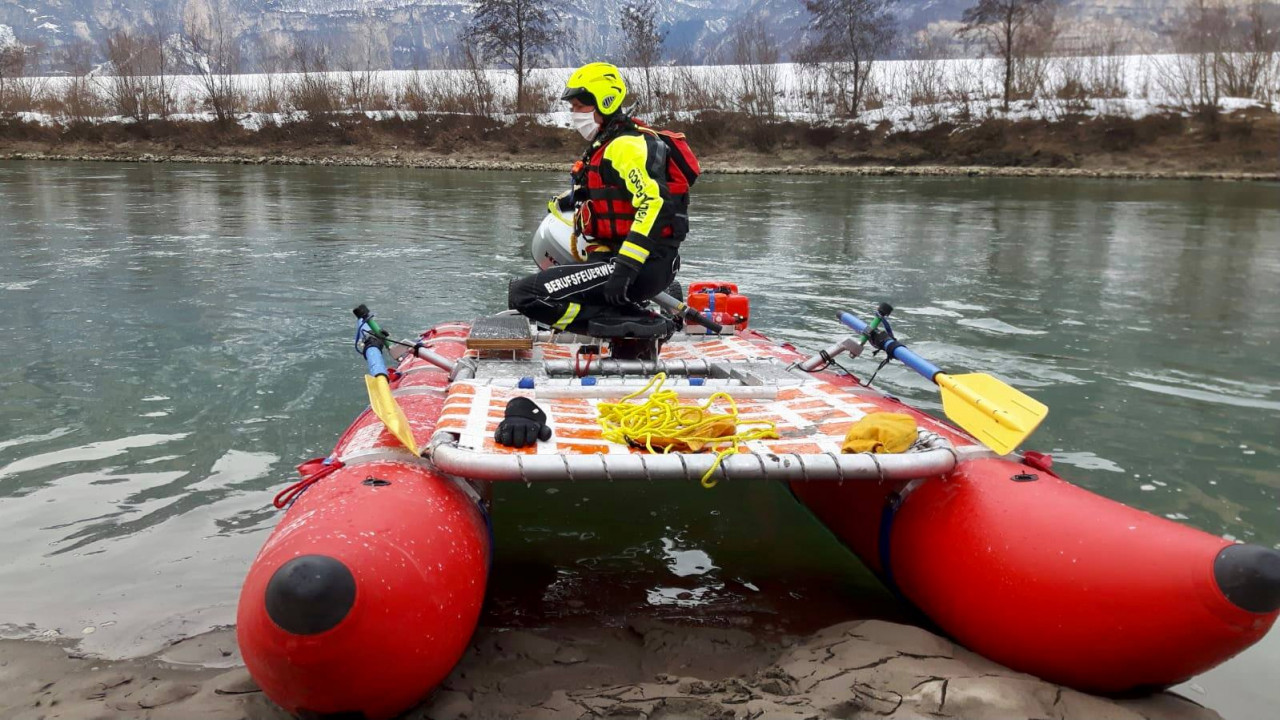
(630, 197)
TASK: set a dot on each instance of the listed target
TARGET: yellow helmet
(598, 84)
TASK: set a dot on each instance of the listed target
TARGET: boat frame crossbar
(647, 368)
(932, 455)
(611, 392)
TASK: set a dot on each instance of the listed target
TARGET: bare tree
(1087, 70)
(1104, 70)
(850, 34)
(314, 92)
(360, 81)
(459, 85)
(1220, 51)
(13, 65)
(1012, 29)
(924, 79)
(480, 93)
(162, 59)
(710, 89)
(756, 55)
(81, 98)
(215, 55)
(1190, 77)
(269, 58)
(1031, 68)
(131, 88)
(515, 32)
(30, 86)
(642, 40)
(418, 93)
(1245, 64)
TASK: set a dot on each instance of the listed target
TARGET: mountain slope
(409, 33)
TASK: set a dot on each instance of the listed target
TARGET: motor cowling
(554, 239)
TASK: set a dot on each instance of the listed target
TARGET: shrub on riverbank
(1243, 141)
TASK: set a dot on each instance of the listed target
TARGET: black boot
(633, 336)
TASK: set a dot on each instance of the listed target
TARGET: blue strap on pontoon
(893, 348)
(884, 544)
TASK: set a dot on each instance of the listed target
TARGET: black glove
(523, 424)
(615, 290)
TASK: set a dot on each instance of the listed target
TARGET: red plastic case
(723, 301)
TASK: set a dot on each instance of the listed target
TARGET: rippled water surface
(178, 339)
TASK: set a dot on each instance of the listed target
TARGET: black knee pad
(518, 293)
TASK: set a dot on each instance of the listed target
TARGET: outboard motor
(553, 240)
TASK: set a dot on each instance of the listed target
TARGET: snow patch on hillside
(6, 37)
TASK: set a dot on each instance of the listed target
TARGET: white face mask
(585, 124)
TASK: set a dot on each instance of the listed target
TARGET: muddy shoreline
(1242, 145)
(454, 163)
(646, 669)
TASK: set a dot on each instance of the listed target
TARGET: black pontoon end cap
(1249, 575)
(310, 594)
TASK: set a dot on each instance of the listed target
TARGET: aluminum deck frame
(932, 455)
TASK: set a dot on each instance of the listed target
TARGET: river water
(179, 337)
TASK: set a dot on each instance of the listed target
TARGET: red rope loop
(289, 494)
(579, 371)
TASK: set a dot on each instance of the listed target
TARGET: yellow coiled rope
(662, 424)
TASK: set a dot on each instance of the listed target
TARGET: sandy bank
(861, 669)
(420, 161)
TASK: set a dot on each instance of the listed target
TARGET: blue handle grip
(372, 354)
(373, 357)
(895, 349)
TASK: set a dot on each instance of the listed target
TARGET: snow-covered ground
(907, 94)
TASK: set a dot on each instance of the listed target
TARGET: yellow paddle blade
(388, 411)
(996, 414)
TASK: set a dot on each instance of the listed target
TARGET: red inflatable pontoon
(365, 596)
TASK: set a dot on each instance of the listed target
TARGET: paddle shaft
(851, 345)
(892, 347)
(372, 350)
(677, 307)
(373, 358)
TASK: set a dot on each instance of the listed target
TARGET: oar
(370, 341)
(678, 307)
(851, 345)
(996, 414)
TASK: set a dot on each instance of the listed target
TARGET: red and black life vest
(607, 212)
